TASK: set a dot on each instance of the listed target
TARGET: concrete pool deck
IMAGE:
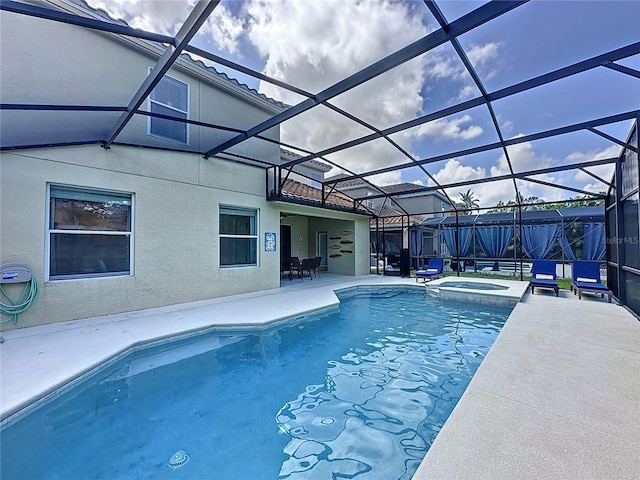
(558, 395)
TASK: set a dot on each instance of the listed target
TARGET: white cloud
(612, 151)
(505, 125)
(315, 44)
(450, 129)
(164, 17)
(488, 194)
(481, 55)
(484, 60)
(167, 17)
(586, 181)
(468, 91)
(453, 171)
(224, 29)
(444, 63)
(523, 158)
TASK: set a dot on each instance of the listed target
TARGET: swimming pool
(362, 392)
(480, 291)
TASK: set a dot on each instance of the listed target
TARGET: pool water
(473, 285)
(357, 393)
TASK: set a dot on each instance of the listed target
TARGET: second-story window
(368, 203)
(316, 179)
(170, 97)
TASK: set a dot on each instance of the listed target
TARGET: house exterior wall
(306, 171)
(430, 204)
(299, 230)
(175, 227)
(334, 223)
(65, 64)
(176, 194)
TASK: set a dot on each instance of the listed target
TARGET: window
(368, 203)
(316, 178)
(89, 233)
(238, 237)
(170, 97)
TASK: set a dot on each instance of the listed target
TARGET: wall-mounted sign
(270, 241)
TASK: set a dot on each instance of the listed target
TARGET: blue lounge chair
(434, 270)
(586, 279)
(543, 275)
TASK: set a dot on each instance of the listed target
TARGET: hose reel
(14, 273)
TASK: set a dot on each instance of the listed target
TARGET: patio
(558, 396)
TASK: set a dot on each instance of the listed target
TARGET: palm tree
(470, 201)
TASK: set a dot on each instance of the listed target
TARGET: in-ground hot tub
(486, 291)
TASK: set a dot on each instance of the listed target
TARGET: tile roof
(103, 15)
(288, 155)
(401, 187)
(348, 183)
(391, 216)
(300, 191)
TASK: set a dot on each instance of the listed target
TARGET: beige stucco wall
(299, 236)
(176, 195)
(68, 65)
(308, 221)
(176, 251)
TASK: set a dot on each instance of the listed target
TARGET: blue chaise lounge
(433, 270)
(543, 275)
(586, 278)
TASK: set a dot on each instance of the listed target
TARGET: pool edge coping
(38, 399)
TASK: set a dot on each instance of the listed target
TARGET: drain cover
(178, 459)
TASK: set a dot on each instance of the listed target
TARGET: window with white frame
(89, 233)
(368, 203)
(169, 97)
(238, 237)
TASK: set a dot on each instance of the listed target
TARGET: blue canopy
(566, 247)
(537, 240)
(416, 242)
(594, 243)
(464, 237)
(495, 240)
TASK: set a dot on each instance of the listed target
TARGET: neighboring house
(309, 173)
(398, 225)
(148, 221)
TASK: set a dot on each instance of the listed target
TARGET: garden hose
(15, 308)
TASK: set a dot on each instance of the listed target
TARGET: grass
(563, 283)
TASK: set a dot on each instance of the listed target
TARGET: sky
(314, 44)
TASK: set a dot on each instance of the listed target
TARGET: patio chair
(543, 275)
(586, 279)
(318, 266)
(295, 267)
(434, 270)
(285, 267)
(307, 265)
